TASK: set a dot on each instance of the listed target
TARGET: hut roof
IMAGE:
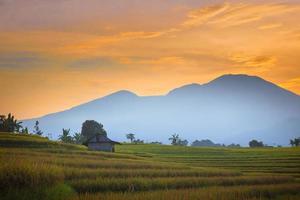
(101, 139)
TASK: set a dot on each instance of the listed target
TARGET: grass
(33, 167)
(261, 192)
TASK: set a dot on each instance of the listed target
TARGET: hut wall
(101, 146)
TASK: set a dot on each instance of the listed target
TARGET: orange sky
(58, 54)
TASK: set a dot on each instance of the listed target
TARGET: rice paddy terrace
(33, 167)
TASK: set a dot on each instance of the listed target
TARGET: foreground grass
(261, 192)
(32, 167)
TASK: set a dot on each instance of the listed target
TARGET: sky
(56, 54)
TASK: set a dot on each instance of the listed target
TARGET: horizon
(58, 54)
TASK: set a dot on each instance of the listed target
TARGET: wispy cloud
(92, 62)
(260, 61)
(227, 15)
(203, 15)
(292, 84)
(20, 59)
(269, 26)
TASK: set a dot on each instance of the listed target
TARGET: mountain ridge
(228, 107)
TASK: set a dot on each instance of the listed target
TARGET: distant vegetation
(209, 143)
(130, 136)
(36, 128)
(90, 128)
(205, 143)
(176, 140)
(255, 143)
(295, 142)
(9, 123)
(66, 137)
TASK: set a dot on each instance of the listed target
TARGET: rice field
(32, 167)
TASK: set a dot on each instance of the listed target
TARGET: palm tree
(65, 137)
(25, 131)
(297, 142)
(9, 123)
(130, 137)
(292, 143)
(37, 129)
(174, 139)
(78, 138)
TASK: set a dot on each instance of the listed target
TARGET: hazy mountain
(231, 108)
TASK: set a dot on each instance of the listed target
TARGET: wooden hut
(101, 143)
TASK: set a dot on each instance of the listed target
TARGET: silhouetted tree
(292, 143)
(205, 143)
(2, 118)
(234, 145)
(25, 131)
(138, 141)
(130, 136)
(66, 137)
(36, 128)
(91, 128)
(183, 142)
(9, 123)
(295, 142)
(156, 142)
(174, 139)
(78, 138)
(255, 143)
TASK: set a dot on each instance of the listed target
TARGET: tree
(174, 139)
(295, 142)
(91, 128)
(234, 145)
(25, 131)
(37, 128)
(9, 123)
(255, 143)
(183, 142)
(205, 143)
(156, 142)
(292, 143)
(138, 141)
(66, 137)
(78, 138)
(130, 136)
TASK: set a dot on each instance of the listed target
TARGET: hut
(101, 143)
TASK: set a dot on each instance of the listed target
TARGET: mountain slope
(231, 108)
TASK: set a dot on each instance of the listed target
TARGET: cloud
(92, 62)
(168, 60)
(292, 84)
(270, 26)
(203, 15)
(258, 61)
(228, 15)
(19, 59)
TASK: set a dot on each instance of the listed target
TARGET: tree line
(90, 128)
(10, 124)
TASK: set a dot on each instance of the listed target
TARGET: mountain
(229, 109)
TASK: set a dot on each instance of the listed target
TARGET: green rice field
(33, 167)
